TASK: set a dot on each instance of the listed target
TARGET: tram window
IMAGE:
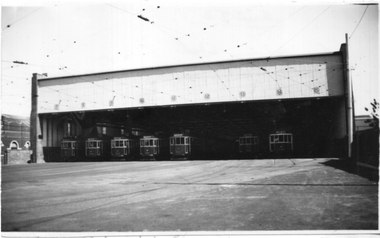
(290, 138)
(182, 141)
(281, 138)
(177, 141)
(241, 141)
(187, 140)
(73, 145)
(248, 141)
(172, 141)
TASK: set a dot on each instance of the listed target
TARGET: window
(69, 128)
(104, 130)
(187, 140)
(171, 141)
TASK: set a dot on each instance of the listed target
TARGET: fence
(365, 150)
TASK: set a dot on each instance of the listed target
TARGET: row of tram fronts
(176, 147)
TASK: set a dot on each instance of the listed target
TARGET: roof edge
(191, 64)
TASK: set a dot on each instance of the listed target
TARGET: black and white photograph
(190, 118)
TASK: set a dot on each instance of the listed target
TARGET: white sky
(67, 38)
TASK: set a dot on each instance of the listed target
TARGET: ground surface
(233, 195)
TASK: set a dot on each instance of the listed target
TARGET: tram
(249, 146)
(124, 148)
(183, 147)
(154, 148)
(96, 148)
(281, 143)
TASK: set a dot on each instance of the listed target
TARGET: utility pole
(350, 111)
(35, 130)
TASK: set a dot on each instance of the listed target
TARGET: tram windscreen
(92, 144)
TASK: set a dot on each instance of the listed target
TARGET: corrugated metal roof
(194, 64)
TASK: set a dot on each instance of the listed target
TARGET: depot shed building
(306, 95)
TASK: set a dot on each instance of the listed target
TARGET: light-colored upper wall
(277, 78)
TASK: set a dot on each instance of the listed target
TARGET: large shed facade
(305, 94)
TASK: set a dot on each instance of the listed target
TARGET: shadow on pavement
(344, 165)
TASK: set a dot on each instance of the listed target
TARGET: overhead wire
(301, 30)
(11, 24)
(272, 27)
(359, 22)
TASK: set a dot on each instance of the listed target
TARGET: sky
(63, 38)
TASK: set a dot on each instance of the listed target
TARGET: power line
(302, 29)
(359, 21)
(9, 25)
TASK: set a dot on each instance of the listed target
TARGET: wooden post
(35, 130)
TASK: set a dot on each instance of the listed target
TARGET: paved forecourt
(225, 195)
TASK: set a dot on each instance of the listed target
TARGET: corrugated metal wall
(281, 78)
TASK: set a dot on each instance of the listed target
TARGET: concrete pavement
(231, 195)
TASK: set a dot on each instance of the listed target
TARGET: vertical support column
(350, 111)
(33, 120)
(35, 130)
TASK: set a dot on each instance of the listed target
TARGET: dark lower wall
(52, 154)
